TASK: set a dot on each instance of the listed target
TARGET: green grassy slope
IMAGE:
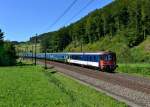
(29, 86)
(140, 69)
(142, 51)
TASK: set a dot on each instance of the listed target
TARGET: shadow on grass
(23, 64)
(17, 64)
(50, 72)
(53, 72)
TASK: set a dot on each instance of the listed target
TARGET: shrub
(7, 54)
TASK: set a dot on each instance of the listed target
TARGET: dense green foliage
(7, 52)
(1, 37)
(123, 23)
(30, 86)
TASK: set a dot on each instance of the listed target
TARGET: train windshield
(108, 57)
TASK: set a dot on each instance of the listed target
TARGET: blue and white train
(104, 61)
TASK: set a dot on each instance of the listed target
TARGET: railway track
(135, 91)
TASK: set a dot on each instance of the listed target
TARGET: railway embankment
(133, 90)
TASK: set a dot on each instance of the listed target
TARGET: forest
(123, 21)
(7, 52)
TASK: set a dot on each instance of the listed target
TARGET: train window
(90, 58)
(85, 58)
(105, 57)
(82, 57)
(98, 58)
(95, 58)
(72, 57)
(77, 57)
(109, 57)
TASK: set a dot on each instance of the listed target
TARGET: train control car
(105, 61)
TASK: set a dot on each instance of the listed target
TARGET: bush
(7, 54)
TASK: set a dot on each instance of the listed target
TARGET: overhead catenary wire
(69, 8)
(63, 14)
(82, 9)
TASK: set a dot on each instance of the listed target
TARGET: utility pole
(32, 53)
(24, 54)
(81, 40)
(45, 59)
(35, 48)
(81, 44)
(26, 50)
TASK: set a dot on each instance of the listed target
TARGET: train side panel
(87, 60)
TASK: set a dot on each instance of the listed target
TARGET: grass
(141, 53)
(141, 69)
(29, 86)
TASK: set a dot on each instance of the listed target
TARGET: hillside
(23, 47)
(122, 26)
(140, 53)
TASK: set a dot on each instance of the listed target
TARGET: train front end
(108, 62)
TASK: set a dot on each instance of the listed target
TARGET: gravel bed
(141, 80)
(113, 78)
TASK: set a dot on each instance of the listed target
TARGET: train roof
(90, 53)
(83, 53)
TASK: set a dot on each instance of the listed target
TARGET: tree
(9, 53)
(129, 16)
(1, 37)
(146, 18)
(91, 29)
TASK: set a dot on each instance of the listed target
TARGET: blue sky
(21, 19)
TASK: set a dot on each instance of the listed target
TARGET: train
(103, 61)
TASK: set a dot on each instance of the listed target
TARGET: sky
(22, 19)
